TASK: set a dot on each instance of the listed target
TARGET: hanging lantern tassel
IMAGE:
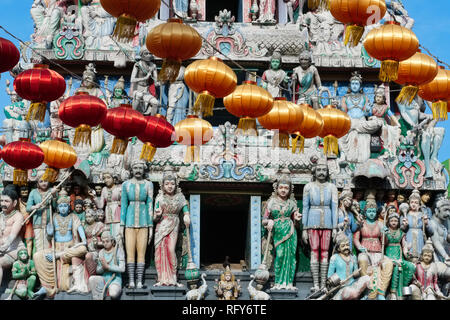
(353, 34)
(192, 154)
(169, 70)
(20, 177)
(439, 109)
(298, 142)
(36, 111)
(119, 145)
(148, 151)
(407, 95)
(330, 145)
(82, 135)
(280, 140)
(248, 126)
(389, 70)
(50, 175)
(205, 104)
(125, 27)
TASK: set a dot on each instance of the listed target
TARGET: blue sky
(432, 26)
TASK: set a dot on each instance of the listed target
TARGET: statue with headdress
(347, 222)
(136, 221)
(320, 219)
(281, 217)
(15, 124)
(47, 20)
(274, 78)
(170, 207)
(228, 288)
(89, 83)
(118, 96)
(69, 252)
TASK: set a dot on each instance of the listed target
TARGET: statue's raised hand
(305, 237)
(269, 225)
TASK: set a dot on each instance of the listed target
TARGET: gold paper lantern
(211, 79)
(248, 101)
(413, 72)
(285, 117)
(310, 127)
(173, 41)
(391, 44)
(336, 124)
(57, 155)
(438, 92)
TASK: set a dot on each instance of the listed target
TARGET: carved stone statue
(347, 222)
(180, 7)
(118, 96)
(441, 236)
(275, 77)
(143, 75)
(169, 204)
(228, 288)
(89, 83)
(57, 126)
(267, 11)
(307, 80)
(24, 272)
(320, 219)
(98, 25)
(15, 124)
(178, 99)
(280, 216)
(396, 12)
(136, 221)
(93, 230)
(290, 9)
(47, 19)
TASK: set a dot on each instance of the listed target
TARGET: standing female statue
(279, 215)
(169, 203)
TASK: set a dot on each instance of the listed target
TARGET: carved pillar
(194, 207)
(282, 12)
(246, 6)
(255, 232)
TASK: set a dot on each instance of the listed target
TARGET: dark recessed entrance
(213, 7)
(223, 231)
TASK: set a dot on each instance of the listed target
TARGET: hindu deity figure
(89, 83)
(27, 230)
(144, 74)
(58, 127)
(425, 199)
(397, 250)
(416, 226)
(356, 143)
(110, 203)
(320, 219)
(79, 211)
(347, 222)
(136, 221)
(24, 272)
(280, 216)
(228, 288)
(178, 98)
(391, 199)
(169, 203)
(274, 78)
(267, 11)
(290, 4)
(414, 120)
(110, 266)
(10, 226)
(307, 78)
(15, 124)
(425, 286)
(42, 214)
(441, 237)
(344, 264)
(118, 96)
(70, 250)
(396, 12)
(47, 20)
(180, 8)
(97, 24)
(93, 230)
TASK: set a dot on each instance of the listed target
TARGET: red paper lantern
(82, 111)
(22, 155)
(158, 133)
(40, 85)
(123, 122)
(9, 55)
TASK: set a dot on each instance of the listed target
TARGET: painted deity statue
(181, 8)
(136, 221)
(290, 4)
(177, 98)
(47, 20)
(110, 266)
(416, 226)
(397, 250)
(69, 252)
(228, 288)
(424, 203)
(118, 96)
(56, 124)
(307, 80)
(347, 223)
(344, 263)
(93, 230)
(143, 75)
(396, 12)
(441, 237)
(280, 216)
(414, 120)
(425, 286)
(275, 77)
(109, 201)
(320, 219)
(97, 25)
(267, 11)
(27, 229)
(24, 272)
(42, 214)
(89, 83)
(356, 143)
(169, 204)
(10, 226)
(15, 124)
(371, 260)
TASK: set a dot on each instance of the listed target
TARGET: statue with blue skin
(70, 250)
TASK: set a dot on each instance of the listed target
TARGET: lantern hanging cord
(434, 57)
